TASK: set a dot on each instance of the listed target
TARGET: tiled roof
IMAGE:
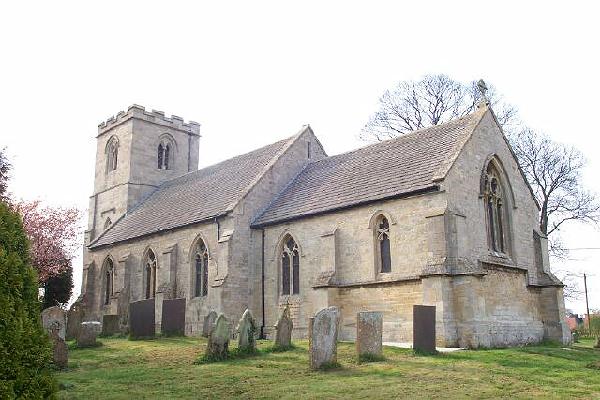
(407, 164)
(194, 197)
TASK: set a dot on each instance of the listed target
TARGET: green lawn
(164, 369)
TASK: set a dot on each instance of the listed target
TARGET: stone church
(442, 216)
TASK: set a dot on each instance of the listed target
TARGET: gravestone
(173, 317)
(60, 353)
(110, 324)
(141, 319)
(209, 321)
(369, 333)
(424, 328)
(218, 339)
(283, 329)
(322, 339)
(246, 330)
(53, 318)
(74, 319)
(88, 333)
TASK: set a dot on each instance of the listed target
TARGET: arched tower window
(201, 270)
(107, 223)
(495, 210)
(108, 280)
(112, 151)
(150, 275)
(165, 153)
(382, 244)
(290, 267)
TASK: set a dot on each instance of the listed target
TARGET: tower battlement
(154, 116)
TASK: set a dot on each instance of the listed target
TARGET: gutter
(262, 283)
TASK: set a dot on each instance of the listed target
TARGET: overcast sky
(253, 72)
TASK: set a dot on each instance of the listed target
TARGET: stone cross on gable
(481, 85)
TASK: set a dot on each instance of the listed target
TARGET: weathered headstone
(369, 333)
(110, 324)
(88, 333)
(74, 319)
(60, 355)
(53, 318)
(283, 329)
(424, 328)
(209, 322)
(141, 319)
(246, 330)
(173, 317)
(322, 339)
(218, 339)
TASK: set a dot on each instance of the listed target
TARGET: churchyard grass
(164, 369)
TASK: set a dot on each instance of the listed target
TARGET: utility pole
(587, 306)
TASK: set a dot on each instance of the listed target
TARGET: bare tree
(433, 100)
(4, 171)
(554, 173)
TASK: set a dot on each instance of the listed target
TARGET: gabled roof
(197, 196)
(411, 163)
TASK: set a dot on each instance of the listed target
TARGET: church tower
(136, 152)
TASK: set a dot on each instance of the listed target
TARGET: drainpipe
(262, 281)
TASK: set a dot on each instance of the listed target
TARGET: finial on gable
(481, 85)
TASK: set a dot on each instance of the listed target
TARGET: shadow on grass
(240, 354)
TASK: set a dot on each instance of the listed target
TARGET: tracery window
(112, 150)
(382, 235)
(165, 153)
(201, 270)
(290, 267)
(150, 274)
(495, 210)
(108, 280)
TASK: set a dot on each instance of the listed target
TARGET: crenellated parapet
(154, 116)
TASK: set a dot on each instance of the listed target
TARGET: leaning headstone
(246, 330)
(218, 339)
(424, 328)
(322, 339)
(74, 319)
(88, 333)
(60, 355)
(53, 318)
(369, 333)
(110, 324)
(283, 329)
(209, 321)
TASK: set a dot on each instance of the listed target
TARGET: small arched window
(108, 280)
(165, 154)
(290, 267)
(201, 270)
(150, 275)
(382, 236)
(495, 210)
(107, 223)
(112, 152)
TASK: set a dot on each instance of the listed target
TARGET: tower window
(112, 151)
(165, 153)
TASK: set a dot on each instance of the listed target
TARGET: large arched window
(495, 210)
(109, 272)
(201, 270)
(290, 267)
(382, 244)
(150, 275)
(165, 153)
(112, 151)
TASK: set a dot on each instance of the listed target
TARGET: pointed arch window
(165, 154)
(150, 275)
(382, 236)
(108, 280)
(495, 210)
(112, 152)
(201, 270)
(290, 267)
